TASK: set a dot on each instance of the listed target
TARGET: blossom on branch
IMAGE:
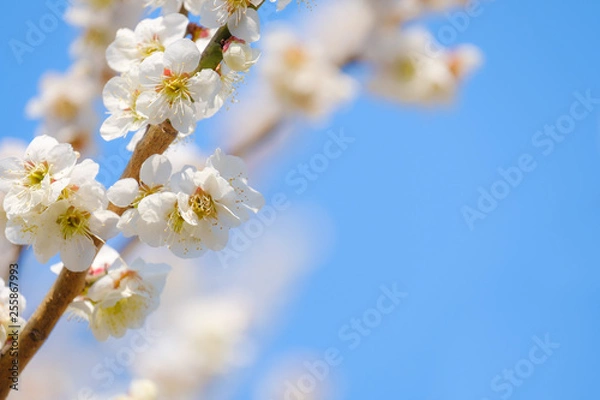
(240, 16)
(131, 47)
(301, 77)
(120, 97)
(191, 211)
(118, 296)
(55, 204)
(172, 89)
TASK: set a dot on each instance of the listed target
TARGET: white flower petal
(156, 170)
(247, 28)
(123, 192)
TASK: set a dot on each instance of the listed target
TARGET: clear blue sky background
(476, 297)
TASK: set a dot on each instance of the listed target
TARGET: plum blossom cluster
(189, 211)
(54, 203)
(161, 77)
(117, 296)
(240, 16)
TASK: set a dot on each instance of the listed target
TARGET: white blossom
(55, 204)
(240, 56)
(118, 296)
(301, 77)
(172, 88)
(120, 97)
(411, 67)
(240, 16)
(124, 297)
(234, 170)
(211, 344)
(131, 47)
(39, 177)
(228, 80)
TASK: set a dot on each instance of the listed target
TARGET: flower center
(151, 47)
(132, 305)
(295, 56)
(405, 69)
(175, 87)
(236, 6)
(145, 191)
(176, 221)
(203, 205)
(35, 173)
(64, 108)
(97, 37)
(100, 4)
(74, 222)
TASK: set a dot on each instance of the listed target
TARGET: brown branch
(248, 145)
(70, 284)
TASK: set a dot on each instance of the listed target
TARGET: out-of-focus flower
(301, 76)
(198, 349)
(141, 389)
(411, 67)
(55, 204)
(65, 105)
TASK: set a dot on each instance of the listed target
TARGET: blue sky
(476, 298)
